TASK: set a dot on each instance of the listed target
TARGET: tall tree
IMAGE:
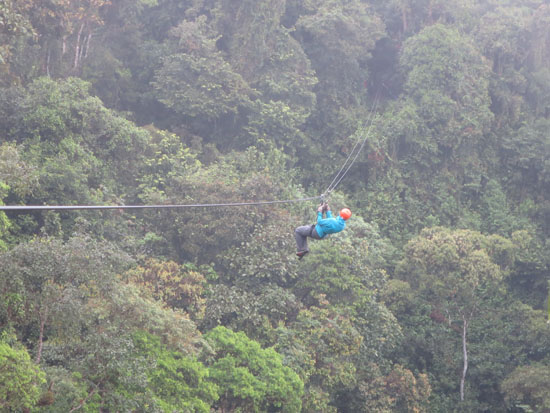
(456, 271)
(47, 276)
(249, 377)
(195, 80)
(447, 80)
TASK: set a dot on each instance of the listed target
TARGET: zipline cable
(328, 190)
(160, 206)
(353, 161)
(351, 153)
(363, 140)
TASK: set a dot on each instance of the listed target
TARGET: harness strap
(313, 234)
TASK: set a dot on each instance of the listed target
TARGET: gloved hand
(321, 208)
(326, 208)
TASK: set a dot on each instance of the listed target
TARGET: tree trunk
(43, 317)
(87, 45)
(48, 63)
(77, 47)
(465, 357)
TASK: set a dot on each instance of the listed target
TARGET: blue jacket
(329, 225)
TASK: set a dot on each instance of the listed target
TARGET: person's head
(345, 213)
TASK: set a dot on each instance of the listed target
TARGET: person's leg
(301, 234)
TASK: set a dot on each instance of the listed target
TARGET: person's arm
(329, 214)
(320, 212)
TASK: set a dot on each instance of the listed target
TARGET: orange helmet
(345, 213)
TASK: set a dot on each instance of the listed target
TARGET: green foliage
(399, 391)
(457, 267)
(503, 36)
(528, 275)
(250, 378)
(253, 263)
(20, 378)
(4, 226)
(14, 27)
(496, 215)
(257, 311)
(338, 37)
(167, 162)
(256, 100)
(320, 345)
(527, 153)
(448, 80)
(63, 390)
(69, 306)
(15, 177)
(15, 174)
(197, 81)
(248, 29)
(63, 113)
(43, 281)
(128, 308)
(177, 286)
(177, 382)
(528, 385)
(254, 80)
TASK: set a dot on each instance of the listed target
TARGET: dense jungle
(435, 298)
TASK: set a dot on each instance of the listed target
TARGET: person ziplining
(330, 225)
(323, 227)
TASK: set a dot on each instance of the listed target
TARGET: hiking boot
(301, 254)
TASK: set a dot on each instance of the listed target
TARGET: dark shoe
(301, 254)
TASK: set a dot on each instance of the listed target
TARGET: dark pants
(301, 234)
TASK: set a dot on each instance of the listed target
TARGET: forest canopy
(435, 298)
